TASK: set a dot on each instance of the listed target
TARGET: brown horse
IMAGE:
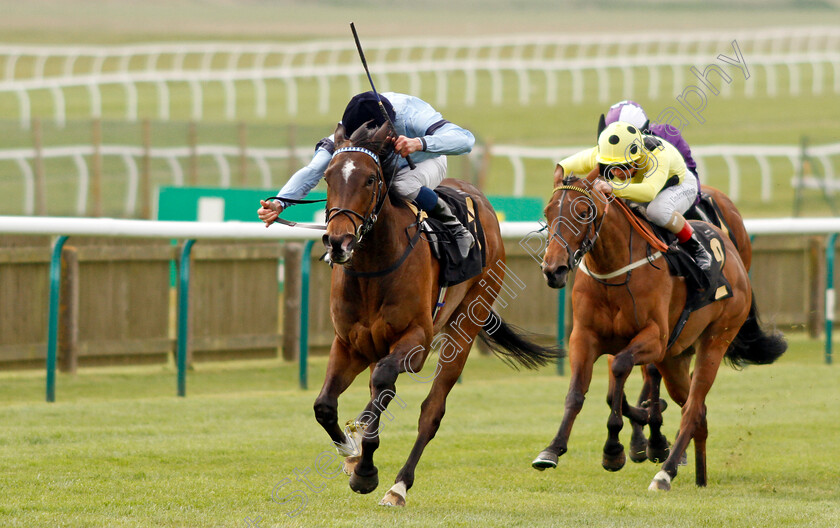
(632, 318)
(656, 447)
(382, 298)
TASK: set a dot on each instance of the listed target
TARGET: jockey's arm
(306, 178)
(418, 119)
(449, 139)
(660, 165)
(581, 163)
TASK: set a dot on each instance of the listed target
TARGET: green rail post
(561, 329)
(52, 324)
(183, 315)
(829, 294)
(303, 354)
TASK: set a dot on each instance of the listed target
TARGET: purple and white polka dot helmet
(629, 112)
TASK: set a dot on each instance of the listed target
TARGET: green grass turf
(119, 449)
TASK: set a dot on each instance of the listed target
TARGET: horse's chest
(370, 333)
(621, 317)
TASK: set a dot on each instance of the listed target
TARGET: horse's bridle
(377, 199)
(588, 242)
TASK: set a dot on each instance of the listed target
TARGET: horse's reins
(367, 221)
(588, 243)
(296, 224)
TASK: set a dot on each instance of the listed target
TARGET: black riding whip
(370, 79)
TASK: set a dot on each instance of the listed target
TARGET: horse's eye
(371, 180)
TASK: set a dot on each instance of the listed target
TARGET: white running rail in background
(226, 155)
(525, 58)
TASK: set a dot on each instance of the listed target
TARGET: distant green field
(119, 449)
(739, 119)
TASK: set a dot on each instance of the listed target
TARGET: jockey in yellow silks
(647, 170)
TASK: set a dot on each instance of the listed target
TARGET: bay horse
(656, 447)
(632, 317)
(384, 286)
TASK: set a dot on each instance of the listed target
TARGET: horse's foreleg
(583, 352)
(342, 369)
(383, 384)
(694, 413)
(643, 346)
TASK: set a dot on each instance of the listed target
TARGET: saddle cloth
(453, 268)
(703, 288)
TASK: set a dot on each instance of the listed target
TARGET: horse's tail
(753, 345)
(513, 346)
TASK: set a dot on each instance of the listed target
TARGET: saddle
(707, 210)
(703, 288)
(453, 268)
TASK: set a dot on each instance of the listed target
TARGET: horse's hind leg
(658, 447)
(453, 352)
(638, 441)
(675, 370)
(694, 413)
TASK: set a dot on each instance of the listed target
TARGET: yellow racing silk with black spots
(656, 167)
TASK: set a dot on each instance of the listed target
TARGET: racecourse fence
(34, 72)
(114, 305)
(773, 165)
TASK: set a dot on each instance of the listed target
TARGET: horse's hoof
(683, 459)
(661, 482)
(350, 464)
(658, 454)
(614, 461)
(638, 450)
(364, 484)
(395, 496)
(545, 460)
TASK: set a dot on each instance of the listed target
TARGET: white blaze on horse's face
(347, 170)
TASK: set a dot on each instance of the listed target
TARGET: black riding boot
(698, 253)
(463, 237)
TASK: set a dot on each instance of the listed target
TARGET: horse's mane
(364, 137)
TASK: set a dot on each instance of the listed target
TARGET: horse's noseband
(377, 199)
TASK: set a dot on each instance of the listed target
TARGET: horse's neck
(612, 250)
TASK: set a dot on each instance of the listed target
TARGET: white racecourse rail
(131, 157)
(111, 227)
(544, 56)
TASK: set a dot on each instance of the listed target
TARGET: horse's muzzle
(340, 247)
(556, 276)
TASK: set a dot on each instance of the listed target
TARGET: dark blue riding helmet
(363, 108)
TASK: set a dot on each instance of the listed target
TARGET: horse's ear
(338, 137)
(593, 175)
(602, 124)
(380, 137)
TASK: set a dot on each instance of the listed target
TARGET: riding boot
(463, 237)
(694, 248)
